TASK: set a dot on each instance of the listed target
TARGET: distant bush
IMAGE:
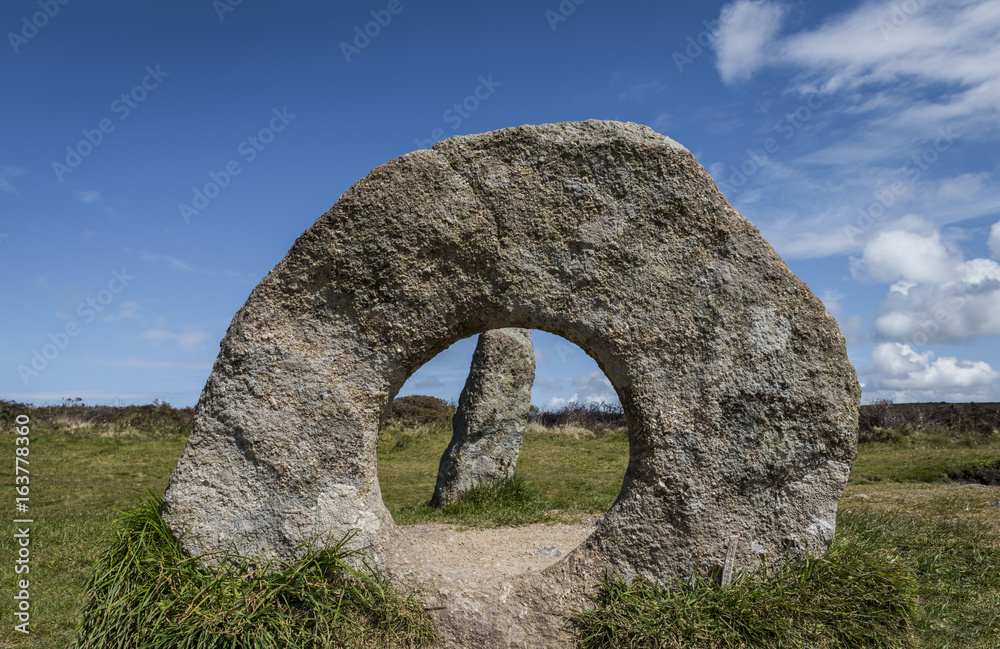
(589, 416)
(878, 414)
(884, 420)
(158, 419)
(9, 410)
(420, 409)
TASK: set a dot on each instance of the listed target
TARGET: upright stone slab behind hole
(492, 415)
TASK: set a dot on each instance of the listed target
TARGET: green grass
(922, 456)
(144, 592)
(955, 557)
(855, 596)
(914, 564)
(78, 480)
(915, 521)
(508, 503)
(572, 470)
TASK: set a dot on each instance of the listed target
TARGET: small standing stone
(488, 426)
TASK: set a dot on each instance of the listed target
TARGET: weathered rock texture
(741, 402)
(488, 426)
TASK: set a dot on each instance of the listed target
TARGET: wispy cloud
(6, 173)
(641, 91)
(171, 262)
(428, 383)
(886, 94)
(546, 386)
(145, 363)
(882, 58)
(127, 311)
(189, 339)
(747, 30)
(181, 266)
(90, 197)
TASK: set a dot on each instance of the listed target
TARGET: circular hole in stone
(569, 469)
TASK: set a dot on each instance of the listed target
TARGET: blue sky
(159, 158)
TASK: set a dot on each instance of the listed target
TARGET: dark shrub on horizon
(589, 416)
(419, 409)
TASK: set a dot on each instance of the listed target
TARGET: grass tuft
(508, 503)
(850, 597)
(145, 592)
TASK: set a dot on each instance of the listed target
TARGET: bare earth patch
(476, 555)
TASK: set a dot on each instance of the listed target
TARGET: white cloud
(5, 174)
(591, 388)
(144, 363)
(594, 388)
(854, 331)
(962, 186)
(891, 82)
(747, 28)
(545, 385)
(187, 340)
(127, 311)
(890, 55)
(556, 404)
(831, 300)
(898, 254)
(936, 295)
(428, 382)
(89, 197)
(171, 262)
(994, 240)
(898, 367)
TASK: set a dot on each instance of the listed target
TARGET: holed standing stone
(488, 426)
(741, 402)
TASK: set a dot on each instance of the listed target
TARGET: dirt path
(505, 551)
